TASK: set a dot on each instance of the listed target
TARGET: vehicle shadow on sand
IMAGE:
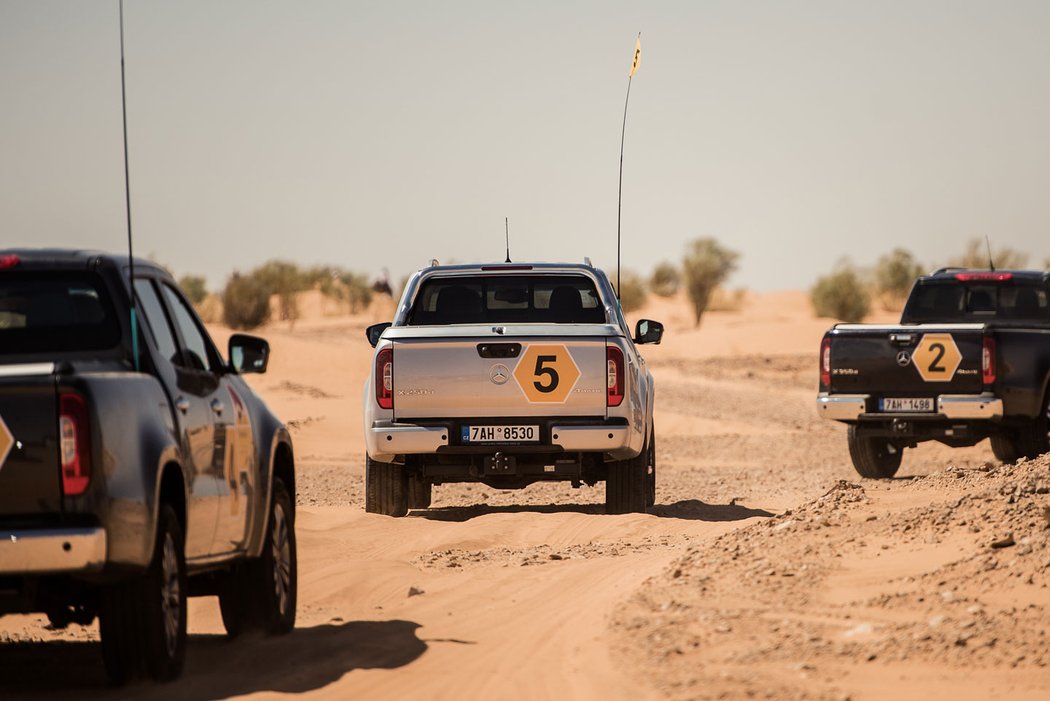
(216, 668)
(689, 510)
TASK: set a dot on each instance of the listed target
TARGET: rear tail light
(74, 435)
(385, 378)
(988, 361)
(825, 362)
(9, 261)
(614, 377)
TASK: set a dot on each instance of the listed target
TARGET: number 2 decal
(935, 365)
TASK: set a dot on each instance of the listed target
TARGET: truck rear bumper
(386, 439)
(850, 407)
(52, 550)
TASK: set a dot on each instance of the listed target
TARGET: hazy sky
(370, 134)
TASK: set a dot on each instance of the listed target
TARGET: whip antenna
(991, 263)
(635, 62)
(506, 225)
(127, 200)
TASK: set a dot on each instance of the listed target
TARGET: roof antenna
(127, 200)
(988, 243)
(635, 62)
(506, 225)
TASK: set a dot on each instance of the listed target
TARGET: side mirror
(374, 331)
(648, 331)
(248, 353)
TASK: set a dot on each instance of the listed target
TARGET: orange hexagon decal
(546, 374)
(936, 357)
(6, 441)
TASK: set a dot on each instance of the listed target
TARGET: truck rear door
(30, 479)
(487, 375)
(906, 361)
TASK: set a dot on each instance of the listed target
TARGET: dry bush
(895, 273)
(666, 280)
(210, 309)
(245, 302)
(632, 292)
(194, 287)
(285, 280)
(723, 300)
(841, 295)
(976, 256)
(706, 266)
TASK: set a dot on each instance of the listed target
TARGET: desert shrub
(723, 300)
(194, 287)
(245, 302)
(210, 309)
(841, 295)
(706, 266)
(285, 280)
(358, 291)
(632, 292)
(976, 256)
(666, 280)
(895, 273)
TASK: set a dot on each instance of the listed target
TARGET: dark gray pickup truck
(970, 360)
(128, 484)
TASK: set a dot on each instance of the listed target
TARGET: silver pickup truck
(509, 374)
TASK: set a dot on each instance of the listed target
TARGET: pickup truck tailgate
(30, 480)
(499, 376)
(916, 361)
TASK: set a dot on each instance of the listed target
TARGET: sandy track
(524, 594)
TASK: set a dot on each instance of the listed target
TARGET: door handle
(182, 404)
(217, 406)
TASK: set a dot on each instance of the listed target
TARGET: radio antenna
(506, 225)
(623, 132)
(127, 200)
(988, 243)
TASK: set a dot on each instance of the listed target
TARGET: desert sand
(768, 568)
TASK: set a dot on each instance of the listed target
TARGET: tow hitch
(500, 464)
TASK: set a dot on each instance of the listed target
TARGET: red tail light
(984, 277)
(614, 377)
(74, 438)
(825, 362)
(988, 361)
(385, 378)
(9, 261)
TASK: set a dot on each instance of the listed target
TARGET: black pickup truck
(129, 483)
(970, 360)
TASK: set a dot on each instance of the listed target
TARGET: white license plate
(501, 434)
(904, 404)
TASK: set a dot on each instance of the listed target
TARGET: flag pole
(623, 132)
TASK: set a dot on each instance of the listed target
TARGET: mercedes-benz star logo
(499, 374)
(903, 358)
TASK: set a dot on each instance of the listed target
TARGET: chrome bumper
(970, 406)
(410, 439)
(849, 407)
(52, 550)
(841, 407)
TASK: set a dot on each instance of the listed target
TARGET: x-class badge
(499, 374)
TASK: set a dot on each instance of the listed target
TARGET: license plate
(904, 404)
(501, 434)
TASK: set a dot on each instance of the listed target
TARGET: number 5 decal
(546, 374)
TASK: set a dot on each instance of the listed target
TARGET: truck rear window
(508, 299)
(55, 312)
(952, 301)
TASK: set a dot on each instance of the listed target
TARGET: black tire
(386, 488)
(142, 622)
(627, 485)
(261, 593)
(873, 457)
(1004, 447)
(420, 493)
(651, 471)
(1029, 441)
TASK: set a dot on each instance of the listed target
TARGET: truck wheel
(419, 493)
(650, 480)
(1004, 447)
(873, 457)
(386, 488)
(261, 594)
(627, 485)
(143, 622)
